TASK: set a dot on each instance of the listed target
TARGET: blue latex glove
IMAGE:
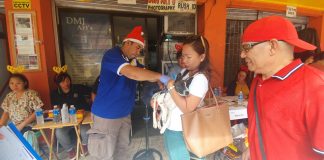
(165, 79)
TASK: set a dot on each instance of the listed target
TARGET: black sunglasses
(247, 46)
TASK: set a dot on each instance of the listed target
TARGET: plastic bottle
(216, 91)
(220, 91)
(39, 116)
(65, 114)
(56, 114)
(240, 98)
(72, 112)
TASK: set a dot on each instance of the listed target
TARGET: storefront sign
(21, 4)
(184, 6)
(126, 1)
(291, 11)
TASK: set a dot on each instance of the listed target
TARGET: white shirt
(199, 88)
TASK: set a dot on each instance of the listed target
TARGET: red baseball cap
(275, 27)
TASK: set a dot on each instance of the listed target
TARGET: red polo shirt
(291, 111)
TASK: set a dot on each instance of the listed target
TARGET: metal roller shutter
(241, 14)
(250, 14)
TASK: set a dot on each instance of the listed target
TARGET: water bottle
(216, 91)
(56, 114)
(220, 91)
(39, 116)
(72, 112)
(65, 114)
(240, 98)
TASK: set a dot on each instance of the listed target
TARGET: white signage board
(291, 11)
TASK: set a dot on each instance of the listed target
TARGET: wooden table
(87, 119)
(51, 125)
(235, 111)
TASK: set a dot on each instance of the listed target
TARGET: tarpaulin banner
(183, 6)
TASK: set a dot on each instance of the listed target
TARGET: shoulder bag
(207, 129)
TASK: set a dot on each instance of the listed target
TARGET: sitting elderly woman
(239, 84)
(70, 95)
(20, 104)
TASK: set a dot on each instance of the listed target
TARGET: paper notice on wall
(291, 11)
(23, 23)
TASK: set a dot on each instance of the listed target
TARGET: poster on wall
(24, 38)
(85, 38)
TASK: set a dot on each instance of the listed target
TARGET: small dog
(162, 108)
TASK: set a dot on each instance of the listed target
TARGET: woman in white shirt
(188, 92)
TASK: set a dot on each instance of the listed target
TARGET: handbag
(207, 129)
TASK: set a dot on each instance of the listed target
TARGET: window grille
(234, 31)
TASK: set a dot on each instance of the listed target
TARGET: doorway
(85, 35)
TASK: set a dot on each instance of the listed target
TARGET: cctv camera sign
(21, 4)
(184, 6)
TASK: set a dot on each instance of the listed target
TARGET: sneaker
(72, 154)
(85, 150)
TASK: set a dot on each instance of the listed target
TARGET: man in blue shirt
(109, 135)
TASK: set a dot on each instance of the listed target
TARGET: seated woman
(66, 93)
(20, 104)
(239, 84)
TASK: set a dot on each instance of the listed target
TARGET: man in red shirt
(287, 121)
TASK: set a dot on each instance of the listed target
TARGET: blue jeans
(175, 145)
(66, 136)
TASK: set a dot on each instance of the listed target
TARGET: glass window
(84, 39)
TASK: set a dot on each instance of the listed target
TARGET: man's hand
(165, 79)
(246, 154)
(161, 86)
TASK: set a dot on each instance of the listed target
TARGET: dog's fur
(162, 108)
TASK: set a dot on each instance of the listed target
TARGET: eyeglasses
(247, 46)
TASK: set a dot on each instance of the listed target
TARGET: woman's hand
(20, 126)
(1, 136)
(170, 83)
